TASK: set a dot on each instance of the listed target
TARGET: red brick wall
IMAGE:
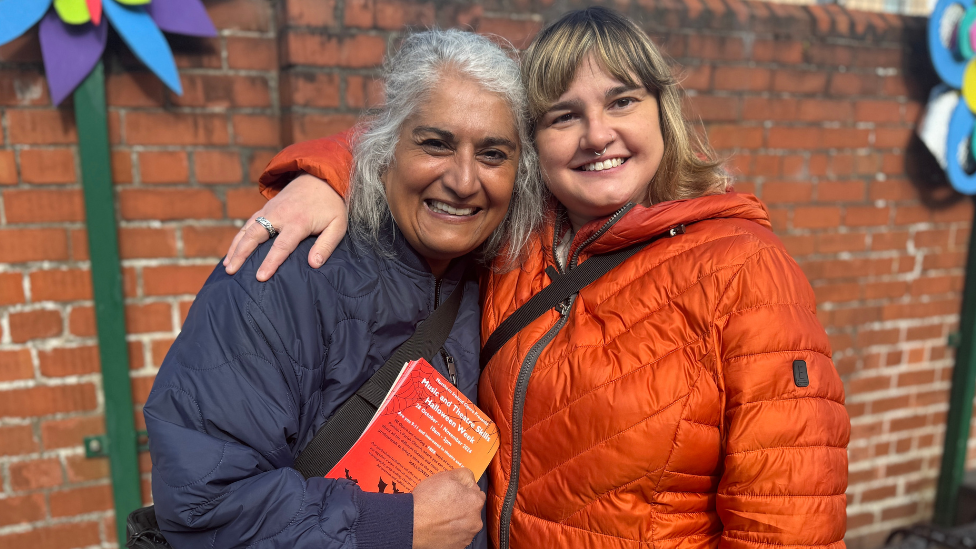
(814, 105)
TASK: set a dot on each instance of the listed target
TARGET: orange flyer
(425, 426)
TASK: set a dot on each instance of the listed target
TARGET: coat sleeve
(328, 158)
(224, 416)
(785, 466)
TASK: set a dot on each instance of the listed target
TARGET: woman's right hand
(306, 206)
(447, 510)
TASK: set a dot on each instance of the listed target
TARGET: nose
(597, 134)
(461, 178)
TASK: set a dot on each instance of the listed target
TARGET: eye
(563, 118)
(558, 119)
(493, 157)
(435, 145)
(624, 102)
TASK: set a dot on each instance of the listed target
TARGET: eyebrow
(566, 106)
(443, 134)
(575, 104)
(497, 142)
(619, 90)
(491, 141)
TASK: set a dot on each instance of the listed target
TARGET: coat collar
(641, 223)
(403, 253)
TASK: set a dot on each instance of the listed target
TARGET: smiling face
(453, 170)
(599, 112)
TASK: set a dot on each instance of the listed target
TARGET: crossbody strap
(562, 287)
(349, 421)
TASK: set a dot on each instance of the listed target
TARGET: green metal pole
(960, 399)
(91, 116)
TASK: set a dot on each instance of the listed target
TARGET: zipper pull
(451, 367)
(564, 307)
(676, 230)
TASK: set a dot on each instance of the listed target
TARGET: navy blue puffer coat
(255, 372)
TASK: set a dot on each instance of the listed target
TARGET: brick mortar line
(49, 522)
(856, 506)
(866, 419)
(59, 381)
(917, 452)
(888, 434)
(58, 416)
(886, 417)
(194, 109)
(904, 345)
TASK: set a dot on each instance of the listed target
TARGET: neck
(577, 221)
(438, 266)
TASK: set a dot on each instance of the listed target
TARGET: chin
(447, 253)
(603, 207)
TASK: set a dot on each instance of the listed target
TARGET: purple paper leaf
(70, 53)
(181, 17)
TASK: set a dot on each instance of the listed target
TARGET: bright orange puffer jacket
(668, 405)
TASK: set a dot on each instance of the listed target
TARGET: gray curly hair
(409, 75)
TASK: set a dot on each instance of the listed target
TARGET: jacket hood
(641, 223)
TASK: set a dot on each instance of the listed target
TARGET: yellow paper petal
(133, 2)
(969, 85)
(72, 12)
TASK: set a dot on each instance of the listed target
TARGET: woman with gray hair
(441, 181)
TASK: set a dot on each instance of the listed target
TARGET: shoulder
(732, 241)
(758, 271)
(713, 250)
(352, 270)
(737, 262)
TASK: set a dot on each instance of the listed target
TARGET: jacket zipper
(448, 359)
(521, 387)
(522, 382)
(606, 227)
(451, 367)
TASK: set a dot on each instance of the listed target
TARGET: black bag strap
(562, 287)
(349, 421)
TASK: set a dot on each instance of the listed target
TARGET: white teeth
(441, 207)
(604, 165)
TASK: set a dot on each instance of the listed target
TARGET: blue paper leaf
(16, 16)
(144, 38)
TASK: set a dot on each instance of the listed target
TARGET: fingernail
(317, 260)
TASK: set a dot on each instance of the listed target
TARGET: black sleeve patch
(800, 377)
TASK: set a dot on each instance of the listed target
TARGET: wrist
(385, 520)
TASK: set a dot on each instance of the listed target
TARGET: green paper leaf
(73, 12)
(133, 2)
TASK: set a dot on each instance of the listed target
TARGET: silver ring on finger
(272, 232)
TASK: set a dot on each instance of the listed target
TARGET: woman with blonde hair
(687, 398)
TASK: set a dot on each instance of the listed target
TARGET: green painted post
(91, 116)
(960, 399)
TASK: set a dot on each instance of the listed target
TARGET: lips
(437, 206)
(602, 165)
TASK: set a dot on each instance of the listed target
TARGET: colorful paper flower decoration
(74, 32)
(949, 121)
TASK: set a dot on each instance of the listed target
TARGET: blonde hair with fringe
(688, 168)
